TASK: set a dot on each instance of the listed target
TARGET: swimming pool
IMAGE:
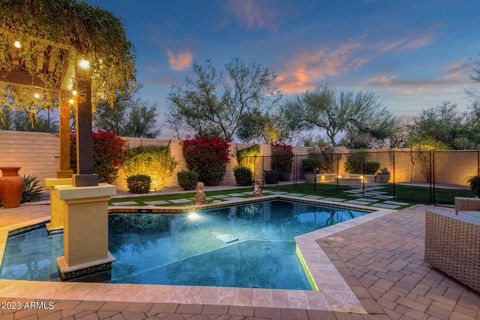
(249, 246)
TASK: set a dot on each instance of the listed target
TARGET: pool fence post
(295, 171)
(394, 185)
(315, 173)
(363, 177)
(478, 172)
(430, 176)
(433, 176)
(338, 170)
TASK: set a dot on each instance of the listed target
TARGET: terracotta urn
(11, 187)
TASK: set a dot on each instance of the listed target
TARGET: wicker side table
(452, 245)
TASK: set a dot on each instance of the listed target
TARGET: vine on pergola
(43, 39)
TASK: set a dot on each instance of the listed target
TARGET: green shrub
(243, 176)
(246, 157)
(371, 167)
(310, 165)
(356, 163)
(32, 190)
(282, 156)
(271, 177)
(139, 183)
(207, 156)
(153, 161)
(187, 180)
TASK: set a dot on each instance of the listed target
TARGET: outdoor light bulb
(17, 44)
(74, 92)
(84, 64)
(36, 95)
(71, 101)
(339, 176)
(193, 216)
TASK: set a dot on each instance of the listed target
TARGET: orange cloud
(254, 14)
(307, 69)
(181, 61)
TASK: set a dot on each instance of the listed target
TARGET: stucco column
(86, 230)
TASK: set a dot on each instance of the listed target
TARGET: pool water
(248, 246)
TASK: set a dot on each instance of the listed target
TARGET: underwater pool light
(193, 216)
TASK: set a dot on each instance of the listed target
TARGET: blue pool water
(240, 246)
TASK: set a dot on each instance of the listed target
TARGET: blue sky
(412, 54)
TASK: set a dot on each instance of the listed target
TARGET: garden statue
(200, 197)
(257, 190)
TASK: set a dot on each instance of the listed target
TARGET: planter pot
(383, 178)
(11, 187)
(310, 177)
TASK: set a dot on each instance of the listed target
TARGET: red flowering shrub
(207, 156)
(109, 154)
(282, 155)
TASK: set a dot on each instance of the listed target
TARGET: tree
(268, 127)
(334, 113)
(213, 103)
(38, 120)
(129, 117)
(381, 131)
(440, 124)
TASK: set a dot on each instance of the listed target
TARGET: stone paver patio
(381, 260)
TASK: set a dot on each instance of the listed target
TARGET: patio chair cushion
(470, 216)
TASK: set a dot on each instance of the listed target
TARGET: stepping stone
(234, 194)
(369, 199)
(295, 194)
(313, 197)
(363, 203)
(353, 191)
(220, 196)
(396, 203)
(383, 197)
(154, 203)
(386, 206)
(334, 199)
(279, 192)
(217, 200)
(124, 203)
(180, 200)
(234, 199)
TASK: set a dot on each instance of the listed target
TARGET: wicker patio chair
(467, 204)
(452, 245)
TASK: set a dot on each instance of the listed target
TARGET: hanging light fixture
(17, 44)
(84, 64)
(36, 95)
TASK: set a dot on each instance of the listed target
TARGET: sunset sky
(413, 54)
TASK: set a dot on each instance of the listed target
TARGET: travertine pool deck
(381, 261)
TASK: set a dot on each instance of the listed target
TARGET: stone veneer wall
(38, 154)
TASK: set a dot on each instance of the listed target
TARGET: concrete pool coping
(331, 292)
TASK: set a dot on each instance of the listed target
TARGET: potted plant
(310, 169)
(474, 183)
(383, 176)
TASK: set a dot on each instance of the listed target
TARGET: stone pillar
(85, 231)
(56, 205)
